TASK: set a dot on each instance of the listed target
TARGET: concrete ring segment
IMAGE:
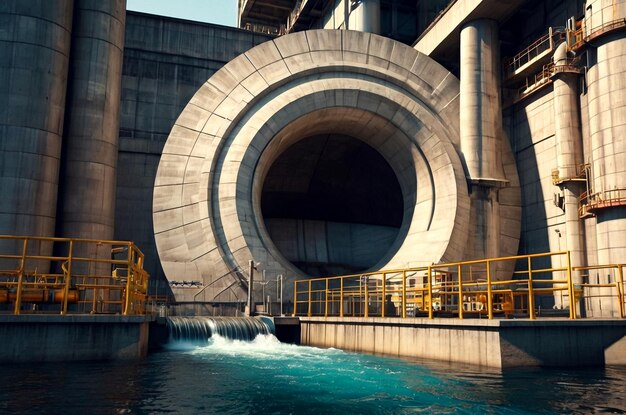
(208, 220)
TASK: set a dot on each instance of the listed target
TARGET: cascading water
(199, 329)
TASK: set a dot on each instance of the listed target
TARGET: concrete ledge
(47, 338)
(73, 318)
(493, 343)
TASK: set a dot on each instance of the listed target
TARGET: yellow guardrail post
(383, 301)
(309, 312)
(326, 300)
(430, 293)
(68, 277)
(404, 294)
(130, 275)
(489, 294)
(460, 277)
(531, 295)
(295, 298)
(20, 279)
(620, 288)
(367, 300)
(341, 297)
(570, 288)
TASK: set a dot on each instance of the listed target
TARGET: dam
(453, 165)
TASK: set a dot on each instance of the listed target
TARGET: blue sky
(222, 12)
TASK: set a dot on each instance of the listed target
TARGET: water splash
(200, 329)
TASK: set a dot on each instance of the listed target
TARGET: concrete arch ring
(207, 220)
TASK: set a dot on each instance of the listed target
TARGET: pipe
(569, 155)
(481, 108)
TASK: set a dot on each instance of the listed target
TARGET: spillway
(199, 329)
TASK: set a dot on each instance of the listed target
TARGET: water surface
(268, 377)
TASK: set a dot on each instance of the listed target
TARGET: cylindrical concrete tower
(481, 133)
(607, 129)
(481, 108)
(35, 48)
(569, 154)
(366, 17)
(87, 204)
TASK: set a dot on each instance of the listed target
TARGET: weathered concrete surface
(606, 105)
(165, 62)
(401, 103)
(88, 176)
(41, 338)
(35, 48)
(493, 343)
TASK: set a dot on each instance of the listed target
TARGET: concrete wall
(165, 62)
(400, 102)
(530, 126)
(539, 147)
(87, 191)
(35, 49)
(338, 248)
(40, 338)
(492, 343)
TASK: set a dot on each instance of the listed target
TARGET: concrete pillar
(87, 205)
(481, 132)
(481, 108)
(366, 17)
(569, 157)
(35, 46)
(607, 129)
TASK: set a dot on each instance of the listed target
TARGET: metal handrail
(449, 290)
(64, 282)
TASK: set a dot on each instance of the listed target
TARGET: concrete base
(492, 343)
(48, 338)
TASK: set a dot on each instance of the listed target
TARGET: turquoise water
(267, 377)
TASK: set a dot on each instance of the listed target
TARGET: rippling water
(268, 377)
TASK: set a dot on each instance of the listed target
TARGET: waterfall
(200, 328)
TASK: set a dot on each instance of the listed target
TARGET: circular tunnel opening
(332, 205)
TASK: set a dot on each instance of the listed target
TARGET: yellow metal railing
(540, 285)
(71, 276)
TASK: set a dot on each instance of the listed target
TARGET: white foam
(264, 346)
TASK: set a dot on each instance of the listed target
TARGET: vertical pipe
(371, 16)
(569, 154)
(606, 77)
(481, 132)
(89, 159)
(35, 42)
(480, 103)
